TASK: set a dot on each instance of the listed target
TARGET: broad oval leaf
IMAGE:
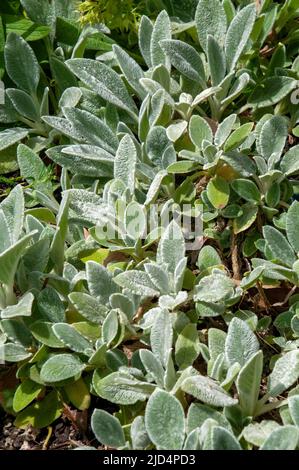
(165, 421)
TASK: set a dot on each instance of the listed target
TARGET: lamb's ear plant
(108, 302)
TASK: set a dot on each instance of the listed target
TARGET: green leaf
(292, 225)
(210, 18)
(289, 164)
(50, 305)
(161, 336)
(198, 413)
(207, 258)
(283, 438)
(199, 131)
(61, 367)
(89, 129)
(214, 288)
(100, 282)
(131, 70)
(207, 391)
(11, 352)
(22, 308)
(184, 58)
(42, 413)
(89, 307)
(222, 439)
(249, 382)
(171, 248)
(280, 248)
(247, 190)
(241, 343)
(271, 90)
(216, 60)
(10, 258)
(13, 211)
(70, 337)
(187, 346)
(273, 136)
(10, 137)
(284, 374)
(107, 429)
(161, 30)
(293, 402)
(242, 223)
(42, 331)
(224, 129)
(26, 392)
(238, 136)
(125, 162)
(153, 366)
(104, 81)
(144, 39)
(23, 104)
(137, 282)
(21, 63)
(218, 192)
(165, 421)
(181, 167)
(238, 35)
(257, 433)
(122, 388)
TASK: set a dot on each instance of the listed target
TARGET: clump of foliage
(193, 342)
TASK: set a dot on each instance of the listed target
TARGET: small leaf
(199, 131)
(61, 367)
(282, 438)
(104, 81)
(271, 90)
(210, 18)
(161, 336)
(184, 58)
(107, 429)
(273, 136)
(165, 421)
(187, 346)
(238, 137)
(26, 392)
(171, 248)
(21, 63)
(222, 439)
(292, 225)
(125, 162)
(238, 35)
(247, 190)
(217, 61)
(242, 223)
(279, 246)
(161, 30)
(249, 382)
(290, 163)
(207, 391)
(122, 388)
(218, 192)
(241, 343)
(284, 374)
(68, 335)
(214, 288)
(137, 282)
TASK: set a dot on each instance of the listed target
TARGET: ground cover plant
(149, 221)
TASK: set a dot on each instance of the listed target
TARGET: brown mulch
(64, 436)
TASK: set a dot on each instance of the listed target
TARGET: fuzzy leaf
(207, 391)
(107, 429)
(210, 18)
(61, 367)
(165, 421)
(238, 35)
